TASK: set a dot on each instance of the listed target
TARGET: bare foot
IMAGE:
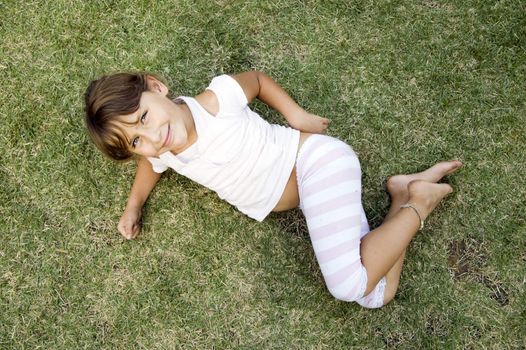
(397, 185)
(426, 195)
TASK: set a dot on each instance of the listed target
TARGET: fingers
(124, 231)
(324, 120)
(135, 231)
(128, 229)
(130, 223)
(324, 124)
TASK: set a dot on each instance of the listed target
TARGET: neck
(189, 123)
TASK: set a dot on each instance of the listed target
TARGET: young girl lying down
(216, 140)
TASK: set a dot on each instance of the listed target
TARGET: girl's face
(159, 125)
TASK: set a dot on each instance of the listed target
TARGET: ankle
(422, 205)
(420, 194)
(414, 208)
(397, 188)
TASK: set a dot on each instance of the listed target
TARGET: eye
(143, 117)
(135, 142)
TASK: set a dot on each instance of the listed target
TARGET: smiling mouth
(167, 136)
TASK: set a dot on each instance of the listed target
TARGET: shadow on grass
(466, 258)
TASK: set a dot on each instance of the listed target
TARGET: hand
(130, 223)
(308, 122)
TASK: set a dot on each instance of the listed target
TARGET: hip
(291, 195)
(290, 198)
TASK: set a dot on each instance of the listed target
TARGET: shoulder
(209, 101)
(225, 94)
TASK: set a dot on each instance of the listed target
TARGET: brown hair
(106, 100)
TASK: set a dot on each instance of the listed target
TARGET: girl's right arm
(260, 85)
(145, 180)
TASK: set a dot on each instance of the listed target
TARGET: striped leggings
(329, 181)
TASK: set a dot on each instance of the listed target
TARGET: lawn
(406, 83)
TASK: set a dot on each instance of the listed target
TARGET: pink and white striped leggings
(329, 182)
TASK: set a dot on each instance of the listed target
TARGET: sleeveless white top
(238, 154)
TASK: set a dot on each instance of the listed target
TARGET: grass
(406, 83)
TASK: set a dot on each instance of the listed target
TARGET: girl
(218, 141)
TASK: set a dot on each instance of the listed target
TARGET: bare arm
(257, 84)
(145, 181)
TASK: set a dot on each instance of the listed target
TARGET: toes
(445, 189)
(445, 168)
(456, 163)
(453, 166)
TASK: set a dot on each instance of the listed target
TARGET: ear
(156, 85)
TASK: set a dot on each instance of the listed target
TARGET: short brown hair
(107, 99)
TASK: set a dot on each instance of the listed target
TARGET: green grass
(406, 83)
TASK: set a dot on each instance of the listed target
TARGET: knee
(339, 295)
(383, 294)
(391, 288)
(352, 288)
(389, 295)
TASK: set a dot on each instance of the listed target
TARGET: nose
(152, 135)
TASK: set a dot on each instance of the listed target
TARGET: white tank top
(238, 154)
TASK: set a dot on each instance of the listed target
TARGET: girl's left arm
(257, 84)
